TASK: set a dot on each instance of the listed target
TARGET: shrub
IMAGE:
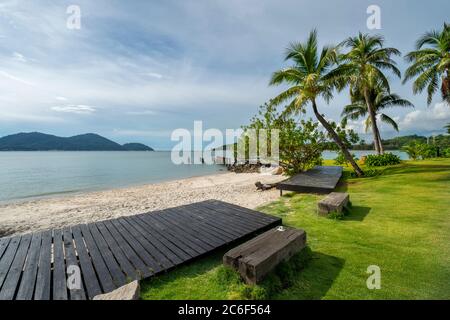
(446, 153)
(381, 160)
(341, 160)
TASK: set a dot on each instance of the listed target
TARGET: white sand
(58, 212)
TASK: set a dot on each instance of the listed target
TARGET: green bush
(381, 160)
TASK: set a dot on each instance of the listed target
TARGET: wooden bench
(334, 202)
(257, 257)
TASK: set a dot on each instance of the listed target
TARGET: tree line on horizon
(361, 64)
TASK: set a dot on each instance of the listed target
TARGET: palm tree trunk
(381, 143)
(373, 119)
(337, 139)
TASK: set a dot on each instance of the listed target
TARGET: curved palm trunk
(373, 119)
(338, 140)
(381, 143)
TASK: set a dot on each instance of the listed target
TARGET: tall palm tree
(430, 63)
(307, 82)
(380, 100)
(362, 68)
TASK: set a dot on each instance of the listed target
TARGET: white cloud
(77, 109)
(431, 119)
(59, 98)
(19, 57)
(141, 113)
(14, 78)
(153, 75)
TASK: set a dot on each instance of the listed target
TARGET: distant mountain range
(36, 141)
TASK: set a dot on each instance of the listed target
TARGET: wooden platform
(320, 179)
(111, 253)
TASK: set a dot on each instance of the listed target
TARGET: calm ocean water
(25, 175)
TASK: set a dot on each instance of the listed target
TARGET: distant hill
(36, 141)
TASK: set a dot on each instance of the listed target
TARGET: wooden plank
(320, 179)
(8, 258)
(125, 265)
(149, 247)
(101, 269)
(90, 278)
(43, 285)
(177, 234)
(76, 290)
(115, 270)
(206, 224)
(149, 262)
(59, 267)
(264, 218)
(28, 281)
(231, 224)
(185, 230)
(251, 221)
(181, 244)
(257, 257)
(174, 254)
(10, 284)
(197, 226)
(139, 265)
(3, 245)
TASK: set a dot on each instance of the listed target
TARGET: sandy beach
(42, 214)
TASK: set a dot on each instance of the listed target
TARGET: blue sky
(136, 70)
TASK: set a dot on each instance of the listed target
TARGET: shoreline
(66, 210)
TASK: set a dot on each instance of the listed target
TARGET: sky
(136, 70)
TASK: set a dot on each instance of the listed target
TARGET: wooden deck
(320, 179)
(111, 253)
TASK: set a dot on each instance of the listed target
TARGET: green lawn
(400, 221)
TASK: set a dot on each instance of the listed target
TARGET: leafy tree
(301, 143)
(413, 149)
(308, 81)
(362, 68)
(448, 128)
(430, 64)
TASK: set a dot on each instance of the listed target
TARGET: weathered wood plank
(101, 269)
(134, 244)
(90, 278)
(152, 250)
(334, 202)
(167, 240)
(59, 267)
(10, 284)
(76, 290)
(43, 285)
(139, 266)
(3, 245)
(8, 258)
(320, 179)
(28, 281)
(115, 270)
(257, 257)
(125, 265)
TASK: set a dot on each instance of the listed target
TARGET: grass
(400, 221)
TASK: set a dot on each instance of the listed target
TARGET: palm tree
(380, 100)
(448, 128)
(362, 68)
(307, 82)
(430, 63)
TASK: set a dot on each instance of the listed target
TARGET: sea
(30, 175)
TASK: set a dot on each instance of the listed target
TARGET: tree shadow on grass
(315, 280)
(357, 213)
